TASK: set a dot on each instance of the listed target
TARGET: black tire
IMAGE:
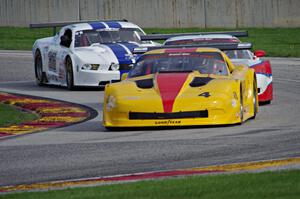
(38, 68)
(265, 102)
(254, 98)
(69, 74)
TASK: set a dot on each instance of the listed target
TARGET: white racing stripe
(127, 50)
(105, 24)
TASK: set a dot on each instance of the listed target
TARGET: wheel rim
(39, 71)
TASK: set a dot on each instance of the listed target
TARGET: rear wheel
(38, 68)
(69, 74)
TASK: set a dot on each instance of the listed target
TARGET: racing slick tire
(69, 74)
(40, 76)
(254, 98)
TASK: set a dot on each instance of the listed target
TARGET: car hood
(164, 90)
(123, 51)
(96, 55)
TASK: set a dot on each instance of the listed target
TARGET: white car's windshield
(204, 62)
(102, 36)
(238, 54)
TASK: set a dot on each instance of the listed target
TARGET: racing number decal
(52, 61)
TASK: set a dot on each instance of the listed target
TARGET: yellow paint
(60, 110)
(60, 119)
(252, 165)
(129, 98)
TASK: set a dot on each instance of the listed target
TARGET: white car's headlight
(90, 67)
(110, 103)
(114, 66)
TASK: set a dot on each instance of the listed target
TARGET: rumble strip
(52, 114)
(228, 168)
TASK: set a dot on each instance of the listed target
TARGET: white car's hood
(95, 55)
(113, 53)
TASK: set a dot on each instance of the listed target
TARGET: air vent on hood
(200, 81)
(144, 83)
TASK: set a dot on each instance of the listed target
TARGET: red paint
(180, 50)
(3, 134)
(267, 95)
(169, 85)
(34, 106)
(264, 68)
(259, 53)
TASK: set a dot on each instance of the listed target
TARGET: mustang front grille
(176, 115)
(125, 66)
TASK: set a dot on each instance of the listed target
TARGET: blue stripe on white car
(120, 53)
(113, 24)
(97, 25)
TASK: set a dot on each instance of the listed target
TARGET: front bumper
(96, 78)
(207, 117)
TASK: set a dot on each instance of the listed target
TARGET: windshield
(204, 62)
(238, 54)
(102, 36)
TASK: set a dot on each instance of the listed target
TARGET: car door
(64, 47)
(56, 55)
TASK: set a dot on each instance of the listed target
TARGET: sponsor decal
(52, 61)
(167, 122)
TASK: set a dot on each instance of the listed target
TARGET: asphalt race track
(88, 150)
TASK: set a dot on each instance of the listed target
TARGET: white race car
(87, 54)
(262, 67)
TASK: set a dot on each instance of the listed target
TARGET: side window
(66, 38)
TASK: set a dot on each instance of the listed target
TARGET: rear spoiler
(61, 24)
(241, 33)
(221, 46)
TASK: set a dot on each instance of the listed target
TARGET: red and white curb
(228, 168)
(52, 114)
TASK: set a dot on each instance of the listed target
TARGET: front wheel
(38, 68)
(69, 74)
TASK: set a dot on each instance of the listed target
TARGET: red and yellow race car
(182, 87)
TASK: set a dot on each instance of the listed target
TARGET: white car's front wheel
(69, 74)
(38, 68)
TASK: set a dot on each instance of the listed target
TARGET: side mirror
(259, 53)
(65, 41)
(124, 76)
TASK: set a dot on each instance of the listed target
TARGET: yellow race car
(182, 87)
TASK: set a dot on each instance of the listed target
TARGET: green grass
(282, 42)
(284, 184)
(10, 115)
(12, 38)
